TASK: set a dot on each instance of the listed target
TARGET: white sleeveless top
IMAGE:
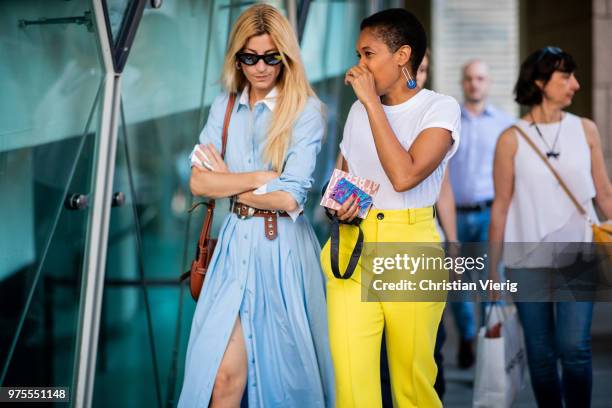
(426, 109)
(540, 212)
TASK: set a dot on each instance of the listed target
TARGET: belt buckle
(249, 214)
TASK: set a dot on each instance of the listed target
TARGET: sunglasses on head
(251, 59)
(549, 50)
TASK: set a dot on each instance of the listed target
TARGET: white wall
(485, 29)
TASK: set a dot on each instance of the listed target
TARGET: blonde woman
(260, 322)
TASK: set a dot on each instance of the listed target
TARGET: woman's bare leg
(232, 374)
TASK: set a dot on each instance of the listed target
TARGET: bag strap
(224, 132)
(496, 305)
(579, 207)
(226, 120)
(334, 248)
(207, 224)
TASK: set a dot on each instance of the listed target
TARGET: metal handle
(85, 20)
(75, 202)
(118, 199)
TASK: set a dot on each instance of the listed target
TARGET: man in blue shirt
(471, 175)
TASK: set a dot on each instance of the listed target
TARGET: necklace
(551, 150)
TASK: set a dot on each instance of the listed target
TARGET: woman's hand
(362, 81)
(494, 295)
(349, 210)
(211, 157)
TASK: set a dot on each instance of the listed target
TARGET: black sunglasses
(549, 50)
(252, 59)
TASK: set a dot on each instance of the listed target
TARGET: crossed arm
(220, 183)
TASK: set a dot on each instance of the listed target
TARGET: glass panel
(147, 237)
(328, 50)
(115, 10)
(50, 78)
(161, 123)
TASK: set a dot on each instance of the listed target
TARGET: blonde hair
(293, 87)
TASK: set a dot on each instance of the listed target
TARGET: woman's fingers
(214, 158)
(354, 211)
(344, 208)
(200, 156)
(359, 71)
(351, 75)
(208, 151)
(349, 209)
(202, 150)
(215, 153)
(203, 160)
(348, 78)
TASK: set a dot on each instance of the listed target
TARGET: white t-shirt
(426, 109)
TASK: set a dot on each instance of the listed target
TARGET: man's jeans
(471, 227)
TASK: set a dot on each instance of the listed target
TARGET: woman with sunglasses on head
(401, 137)
(530, 206)
(260, 321)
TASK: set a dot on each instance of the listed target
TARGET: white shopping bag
(500, 361)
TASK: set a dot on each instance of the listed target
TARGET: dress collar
(269, 100)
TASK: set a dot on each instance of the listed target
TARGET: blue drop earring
(410, 82)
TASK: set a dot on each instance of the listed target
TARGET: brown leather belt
(270, 217)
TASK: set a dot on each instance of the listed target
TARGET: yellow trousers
(356, 327)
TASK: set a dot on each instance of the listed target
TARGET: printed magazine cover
(368, 186)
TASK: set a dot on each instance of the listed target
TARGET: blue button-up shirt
(471, 168)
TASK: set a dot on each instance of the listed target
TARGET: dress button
(380, 216)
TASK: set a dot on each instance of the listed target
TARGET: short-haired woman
(401, 137)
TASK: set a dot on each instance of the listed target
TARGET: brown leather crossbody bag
(206, 244)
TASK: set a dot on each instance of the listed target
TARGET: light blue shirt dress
(277, 287)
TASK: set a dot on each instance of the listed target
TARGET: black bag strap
(335, 251)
